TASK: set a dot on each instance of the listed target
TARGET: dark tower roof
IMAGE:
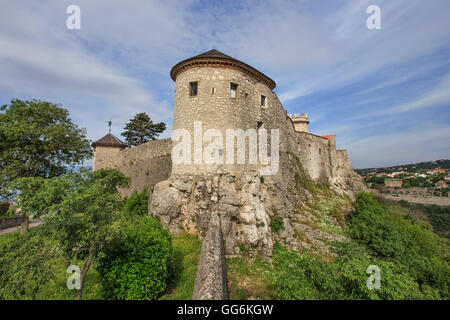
(109, 141)
(214, 58)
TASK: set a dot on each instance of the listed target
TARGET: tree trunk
(25, 225)
(85, 270)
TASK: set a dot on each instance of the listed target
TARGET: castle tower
(218, 92)
(106, 151)
(300, 122)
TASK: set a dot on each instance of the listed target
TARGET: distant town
(415, 181)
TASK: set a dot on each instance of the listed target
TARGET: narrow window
(233, 90)
(213, 90)
(320, 151)
(193, 88)
(263, 101)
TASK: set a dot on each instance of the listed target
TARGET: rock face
(210, 282)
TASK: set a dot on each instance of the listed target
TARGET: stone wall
(10, 222)
(245, 199)
(316, 154)
(216, 109)
(211, 280)
(146, 164)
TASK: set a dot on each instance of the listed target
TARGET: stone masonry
(230, 206)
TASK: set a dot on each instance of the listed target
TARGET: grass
(57, 289)
(249, 279)
(5, 238)
(186, 251)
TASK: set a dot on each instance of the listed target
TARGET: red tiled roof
(329, 136)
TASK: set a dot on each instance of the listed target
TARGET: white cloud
(422, 143)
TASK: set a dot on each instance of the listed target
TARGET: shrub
(404, 242)
(277, 223)
(137, 262)
(137, 203)
(304, 276)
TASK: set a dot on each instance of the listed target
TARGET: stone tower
(300, 122)
(216, 91)
(106, 151)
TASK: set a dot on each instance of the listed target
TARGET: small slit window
(193, 88)
(233, 90)
(263, 101)
(213, 90)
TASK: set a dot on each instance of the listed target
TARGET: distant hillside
(428, 165)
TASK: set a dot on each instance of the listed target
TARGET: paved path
(14, 229)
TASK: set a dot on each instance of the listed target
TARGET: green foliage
(137, 203)
(249, 278)
(298, 277)
(438, 216)
(186, 252)
(82, 208)
(412, 259)
(25, 265)
(243, 248)
(403, 241)
(277, 224)
(136, 263)
(38, 139)
(31, 268)
(141, 129)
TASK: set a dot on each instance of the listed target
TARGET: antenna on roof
(109, 125)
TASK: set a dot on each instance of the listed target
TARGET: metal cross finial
(109, 125)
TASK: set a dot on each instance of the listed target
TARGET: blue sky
(384, 93)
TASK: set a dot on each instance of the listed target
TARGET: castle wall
(106, 157)
(218, 110)
(316, 155)
(146, 164)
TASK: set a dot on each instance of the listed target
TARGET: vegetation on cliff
(413, 262)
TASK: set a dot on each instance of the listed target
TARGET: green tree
(38, 139)
(83, 208)
(141, 129)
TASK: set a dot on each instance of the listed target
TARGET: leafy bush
(137, 203)
(299, 277)
(137, 262)
(413, 261)
(277, 224)
(402, 241)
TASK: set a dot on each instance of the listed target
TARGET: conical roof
(213, 54)
(109, 141)
(215, 58)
